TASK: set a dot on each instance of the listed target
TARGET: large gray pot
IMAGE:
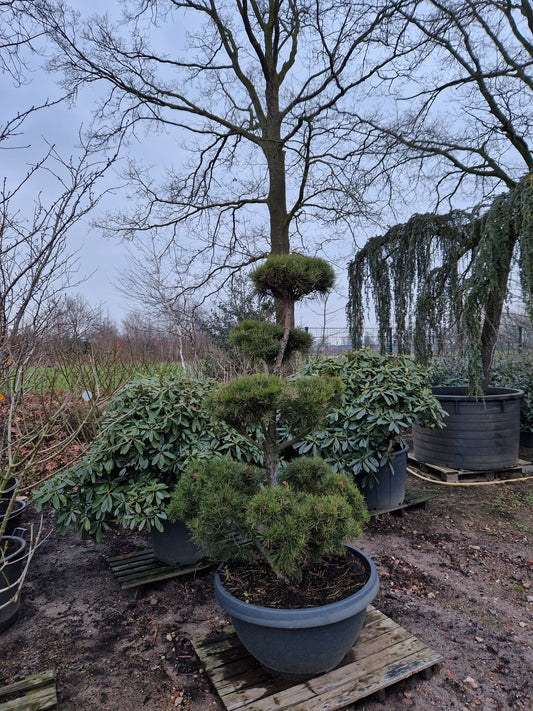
(480, 434)
(174, 545)
(299, 644)
(12, 564)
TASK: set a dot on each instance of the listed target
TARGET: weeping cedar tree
(313, 510)
(453, 267)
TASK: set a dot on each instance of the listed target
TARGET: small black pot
(174, 546)
(15, 517)
(302, 643)
(7, 492)
(386, 490)
(12, 563)
(526, 439)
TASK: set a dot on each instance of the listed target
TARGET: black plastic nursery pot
(387, 488)
(526, 439)
(15, 516)
(301, 643)
(13, 551)
(7, 491)
(174, 545)
(480, 433)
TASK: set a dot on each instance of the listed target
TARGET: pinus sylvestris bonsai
(293, 515)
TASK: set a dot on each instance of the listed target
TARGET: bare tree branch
(259, 84)
(465, 108)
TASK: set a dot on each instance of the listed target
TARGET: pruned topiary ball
(291, 277)
(262, 340)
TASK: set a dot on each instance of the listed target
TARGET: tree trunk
(277, 200)
(493, 313)
(277, 209)
(272, 465)
(288, 319)
(273, 148)
(489, 335)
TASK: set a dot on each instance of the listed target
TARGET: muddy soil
(457, 574)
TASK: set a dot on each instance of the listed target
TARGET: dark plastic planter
(526, 439)
(174, 546)
(299, 644)
(11, 567)
(15, 517)
(480, 434)
(8, 490)
(387, 489)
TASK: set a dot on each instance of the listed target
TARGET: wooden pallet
(455, 476)
(383, 654)
(34, 693)
(412, 501)
(141, 568)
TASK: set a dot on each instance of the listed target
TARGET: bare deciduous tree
(262, 94)
(37, 210)
(463, 113)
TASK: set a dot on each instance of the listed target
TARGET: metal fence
(331, 340)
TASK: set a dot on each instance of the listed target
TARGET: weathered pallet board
(34, 693)
(141, 568)
(455, 476)
(384, 654)
(412, 501)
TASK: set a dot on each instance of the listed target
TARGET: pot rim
(22, 545)
(459, 393)
(19, 503)
(302, 617)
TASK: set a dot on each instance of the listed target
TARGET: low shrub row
(155, 426)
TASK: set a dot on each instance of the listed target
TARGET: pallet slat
(384, 654)
(35, 693)
(455, 476)
(412, 501)
(142, 567)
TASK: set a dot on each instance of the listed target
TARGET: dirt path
(456, 575)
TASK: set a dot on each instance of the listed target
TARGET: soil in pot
(333, 579)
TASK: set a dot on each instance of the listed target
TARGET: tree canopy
(462, 116)
(261, 94)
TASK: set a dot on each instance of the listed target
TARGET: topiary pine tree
(312, 510)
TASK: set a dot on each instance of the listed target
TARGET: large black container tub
(480, 434)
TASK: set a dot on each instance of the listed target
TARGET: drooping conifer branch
(446, 270)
